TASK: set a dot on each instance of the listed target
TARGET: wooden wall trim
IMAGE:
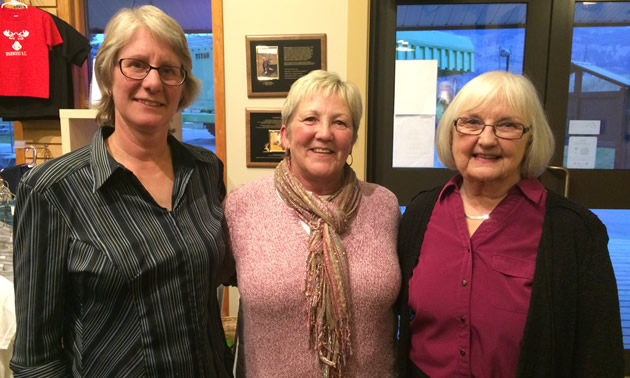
(219, 107)
(73, 12)
(219, 82)
(18, 134)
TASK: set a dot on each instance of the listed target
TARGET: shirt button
(462, 352)
(462, 319)
(464, 282)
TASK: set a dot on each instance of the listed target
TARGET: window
(598, 117)
(464, 40)
(195, 17)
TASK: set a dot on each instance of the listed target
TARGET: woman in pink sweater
(315, 249)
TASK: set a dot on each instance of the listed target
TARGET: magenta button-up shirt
(469, 295)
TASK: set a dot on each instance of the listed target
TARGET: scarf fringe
(326, 281)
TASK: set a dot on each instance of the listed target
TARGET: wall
(250, 17)
(345, 24)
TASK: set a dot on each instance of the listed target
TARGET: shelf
(79, 125)
(77, 128)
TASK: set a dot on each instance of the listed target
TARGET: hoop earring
(351, 161)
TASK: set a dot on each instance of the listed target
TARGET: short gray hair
(118, 32)
(327, 83)
(518, 92)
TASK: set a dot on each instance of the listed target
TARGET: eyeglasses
(138, 70)
(504, 129)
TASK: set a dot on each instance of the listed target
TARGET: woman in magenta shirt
(501, 277)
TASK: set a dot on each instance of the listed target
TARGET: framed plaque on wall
(274, 62)
(264, 148)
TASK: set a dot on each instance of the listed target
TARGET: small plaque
(264, 147)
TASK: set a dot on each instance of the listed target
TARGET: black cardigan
(573, 326)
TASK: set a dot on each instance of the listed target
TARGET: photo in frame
(275, 62)
(264, 147)
(267, 63)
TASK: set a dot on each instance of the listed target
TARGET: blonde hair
(519, 94)
(326, 83)
(119, 30)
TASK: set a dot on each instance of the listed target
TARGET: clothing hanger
(15, 3)
(34, 160)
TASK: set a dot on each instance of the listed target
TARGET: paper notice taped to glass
(584, 127)
(582, 152)
(414, 113)
(414, 137)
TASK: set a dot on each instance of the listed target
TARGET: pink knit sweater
(269, 245)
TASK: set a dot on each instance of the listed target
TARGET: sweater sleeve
(598, 338)
(410, 235)
(230, 211)
(573, 326)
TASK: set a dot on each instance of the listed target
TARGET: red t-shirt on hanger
(26, 37)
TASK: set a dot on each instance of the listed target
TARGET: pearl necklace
(477, 217)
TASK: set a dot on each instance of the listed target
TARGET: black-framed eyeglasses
(138, 70)
(504, 129)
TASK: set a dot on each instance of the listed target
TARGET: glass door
(589, 105)
(422, 54)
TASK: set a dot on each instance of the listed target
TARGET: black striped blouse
(110, 284)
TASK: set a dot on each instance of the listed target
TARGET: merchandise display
(73, 51)
(27, 36)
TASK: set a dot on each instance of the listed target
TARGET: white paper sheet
(414, 137)
(415, 90)
(582, 152)
(584, 127)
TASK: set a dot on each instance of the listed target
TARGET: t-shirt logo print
(19, 35)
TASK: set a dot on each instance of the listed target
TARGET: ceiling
(459, 15)
(504, 15)
(195, 16)
(604, 13)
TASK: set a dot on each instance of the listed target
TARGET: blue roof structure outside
(453, 52)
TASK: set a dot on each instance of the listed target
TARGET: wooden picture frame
(274, 62)
(264, 148)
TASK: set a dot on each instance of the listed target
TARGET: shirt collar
(102, 163)
(531, 188)
(104, 166)
(451, 186)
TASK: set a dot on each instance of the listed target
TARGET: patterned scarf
(327, 283)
